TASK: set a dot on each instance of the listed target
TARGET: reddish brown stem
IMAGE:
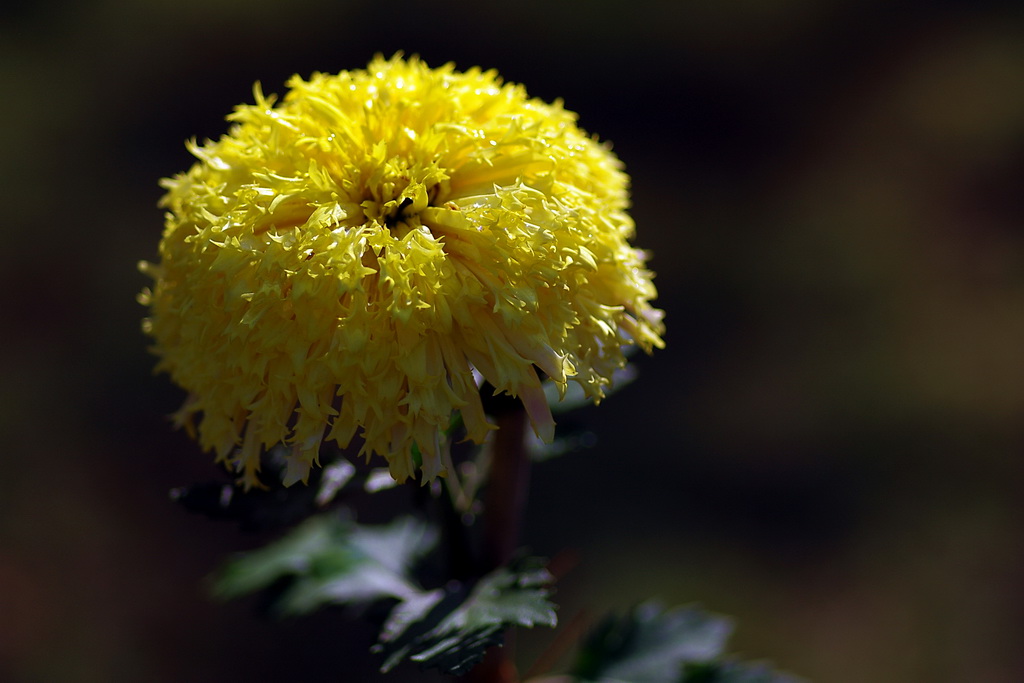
(504, 502)
(505, 496)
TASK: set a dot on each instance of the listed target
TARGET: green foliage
(456, 641)
(652, 645)
(331, 560)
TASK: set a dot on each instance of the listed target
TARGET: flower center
(400, 212)
(396, 191)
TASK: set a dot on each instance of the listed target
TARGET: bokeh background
(829, 449)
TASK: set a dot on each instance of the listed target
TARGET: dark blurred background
(829, 449)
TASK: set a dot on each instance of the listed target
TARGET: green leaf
(651, 645)
(331, 559)
(450, 630)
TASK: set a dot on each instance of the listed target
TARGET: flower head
(354, 260)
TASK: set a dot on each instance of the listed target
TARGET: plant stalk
(506, 492)
(504, 503)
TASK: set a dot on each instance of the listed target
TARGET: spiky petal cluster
(351, 261)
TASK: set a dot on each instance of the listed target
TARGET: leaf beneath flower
(331, 559)
(450, 630)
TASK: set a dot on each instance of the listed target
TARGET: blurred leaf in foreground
(331, 559)
(654, 645)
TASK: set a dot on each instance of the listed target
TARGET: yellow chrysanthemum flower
(359, 257)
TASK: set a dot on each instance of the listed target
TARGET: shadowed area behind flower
(828, 450)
